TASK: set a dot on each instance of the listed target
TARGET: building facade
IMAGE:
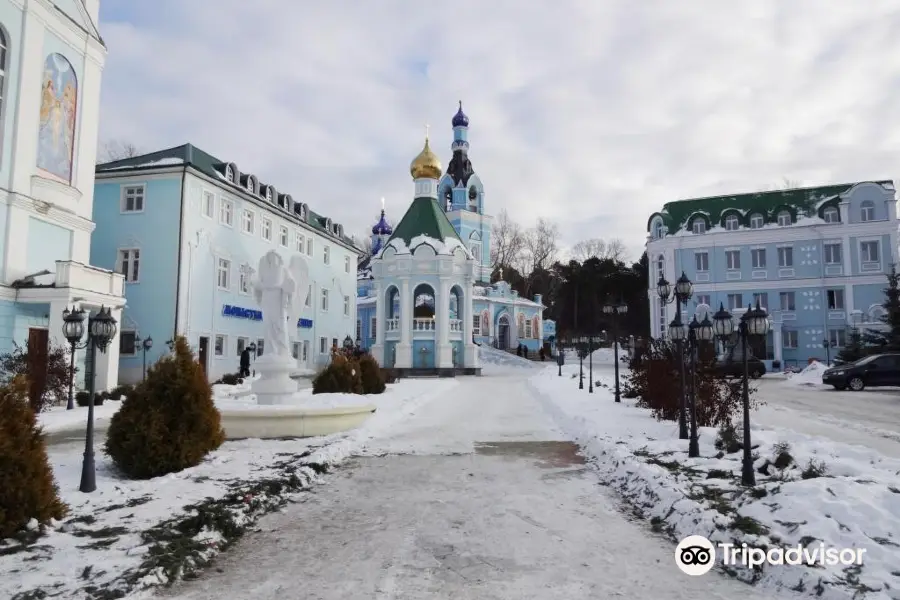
(500, 317)
(187, 230)
(815, 258)
(51, 64)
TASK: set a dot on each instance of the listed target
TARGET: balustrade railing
(392, 325)
(456, 325)
(424, 324)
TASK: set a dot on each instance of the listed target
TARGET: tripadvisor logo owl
(695, 555)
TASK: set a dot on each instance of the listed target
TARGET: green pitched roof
(424, 217)
(205, 163)
(799, 201)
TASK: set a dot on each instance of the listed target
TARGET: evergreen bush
(83, 398)
(27, 488)
(371, 375)
(119, 391)
(169, 422)
(48, 376)
(341, 376)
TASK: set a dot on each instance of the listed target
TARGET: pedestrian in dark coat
(245, 362)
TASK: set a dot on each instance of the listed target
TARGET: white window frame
(309, 245)
(223, 266)
(241, 344)
(323, 304)
(326, 255)
(831, 210)
(248, 221)
(732, 222)
(207, 204)
(733, 265)
(838, 337)
(299, 242)
(134, 343)
(346, 306)
(304, 356)
(862, 243)
(138, 196)
(704, 299)
(527, 328)
(783, 254)
(284, 236)
(790, 219)
(260, 347)
(244, 284)
(789, 339)
(789, 298)
(219, 349)
(309, 295)
(829, 260)
(698, 229)
(323, 345)
(226, 212)
(347, 264)
(731, 305)
(295, 350)
(701, 261)
(763, 300)
(757, 221)
(838, 294)
(867, 211)
(476, 324)
(130, 258)
(758, 252)
(373, 327)
(266, 229)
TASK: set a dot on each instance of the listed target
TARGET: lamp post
(679, 294)
(828, 346)
(579, 345)
(754, 322)
(101, 330)
(145, 346)
(591, 340)
(560, 355)
(616, 311)
(698, 331)
(73, 330)
(348, 344)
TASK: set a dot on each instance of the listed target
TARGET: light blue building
(187, 231)
(816, 258)
(500, 317)
(51, 65)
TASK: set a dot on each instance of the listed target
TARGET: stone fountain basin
(288, 421)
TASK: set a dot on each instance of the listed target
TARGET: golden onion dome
(426, 165)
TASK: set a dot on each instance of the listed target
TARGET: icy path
(515, 515)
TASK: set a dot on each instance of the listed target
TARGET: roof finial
(427, 127)
(382, 204)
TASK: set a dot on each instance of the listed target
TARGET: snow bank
(854, 504)
(305, 399)
(499, 361)
(606, 355)
(810, 376)
(59, 419)
(103, 541)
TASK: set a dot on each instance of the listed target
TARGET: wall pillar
(404, 346)
(777, 343)
(443, 350)
(380, 324)
(470, 350)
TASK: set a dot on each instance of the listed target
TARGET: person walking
(245, 362)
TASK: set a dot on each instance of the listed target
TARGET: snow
(809, 376)
(237, 401)
(856, 503)
(79, 541)
(59, 419)
(440, 247)
(500, 361)
(162, 162)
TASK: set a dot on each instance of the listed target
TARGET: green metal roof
(205, 163)
(424, 217)
(799, 201)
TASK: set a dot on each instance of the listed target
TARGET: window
(260, 346)
(226, 212)
(732, 223)
(373, 327)
(132, 198)
(787, 300)
(309, 295)
(698, 225)
(223, 273)
(323, 345)
(476, 325)
(831, 215)
(867, 211)
(703, 299)
(833, 254)
(242, 344)
(701, 260)
(309, 246)
(735, 301)
(248, 222)
(658, 230)
(326, 255)
(284, 236)
(245, 281)
(527, 328)
(127, 343)
(250, 187)
(784, 218)
(789, 339)
(219, 347)
(757, 221)
(130, 264)
(733, 259)
(868, 251)
(763, 299)
(334, 343)
(660, 266)
(346, 306)
(229, 174)
(295, 350)
(359, 329)
(785, 256)
(209, 204)
(269, 196)
(758, 258)
(346, 264)
(299, 242)
(305, 356)
(837, 337)
(324, 305)
(835, 299)
(267, 229)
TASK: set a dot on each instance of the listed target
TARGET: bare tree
(613, 249)
(116, 150)
(541, 244)
(507, 241)
(364, 243)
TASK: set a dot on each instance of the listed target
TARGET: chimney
(538, 298)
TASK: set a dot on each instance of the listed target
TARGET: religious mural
(59, 101)
(485, 323)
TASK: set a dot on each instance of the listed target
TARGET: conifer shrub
(341, 376)
(119, 391)
(169, 422)
(371, 375)
(27, 488)
(48, 375)
(83, 398)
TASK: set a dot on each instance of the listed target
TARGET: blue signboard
(250, 314)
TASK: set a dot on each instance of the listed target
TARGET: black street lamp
(616, 311)
(101, 331)
(754, 322)
(145, 346)
(591, 340)
(348, 343)
(579, 345)
(698, 331)
(828, 346)
(679, 294)
(73, 330)
(560, 355)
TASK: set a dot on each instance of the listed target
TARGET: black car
(733, 366)
(875, 370)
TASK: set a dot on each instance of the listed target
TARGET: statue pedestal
(275, 385)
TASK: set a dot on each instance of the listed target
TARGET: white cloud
(589, 113)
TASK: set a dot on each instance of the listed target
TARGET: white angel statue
(279, 297)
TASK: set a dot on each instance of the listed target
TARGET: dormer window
(757, 221)
(269, 194)
(251, 184)
(732, 223)
(698, 225)
(658, 230)
(784, 219)
(867, 211)
(831, 215)
(229, 174)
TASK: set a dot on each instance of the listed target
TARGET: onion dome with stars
(460, 119)
(426, 165)
(382, 227)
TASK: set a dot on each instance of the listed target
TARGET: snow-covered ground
(59, 419)
(499, 361)
(854, 502)
(100, 543)
(810, 376)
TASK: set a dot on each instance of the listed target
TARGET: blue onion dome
(382, 227)
(460, 119)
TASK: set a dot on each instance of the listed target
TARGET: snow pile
(111, 535)
(59, 419)
(499, 361)
(829, 493)
(305, 399)
(811, 375)
(607, 355)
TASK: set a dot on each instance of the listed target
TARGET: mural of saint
(485, 323)
(59, 103)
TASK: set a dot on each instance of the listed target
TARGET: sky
(589, 113)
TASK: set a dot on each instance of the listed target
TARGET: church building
(499, 317)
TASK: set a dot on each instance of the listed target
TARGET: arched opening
(392, 309)
(457, 309)
(503, 332)
(423, 302)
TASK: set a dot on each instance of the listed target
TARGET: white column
(443, 350)
(470, 350)
(777, 343)
(380, 324)
(404, 347)
(107, 367)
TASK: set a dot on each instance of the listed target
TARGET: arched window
(4, 54)
(757, 221)
(658, 230)
(867, 211)
(732, 223)
(269, 193)
(831, 215)
(660, 266)
(59, 103)
(698, 225)
(784, 219)
(229, 174)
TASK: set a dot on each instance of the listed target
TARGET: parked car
(875, 370)
(733, 366)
